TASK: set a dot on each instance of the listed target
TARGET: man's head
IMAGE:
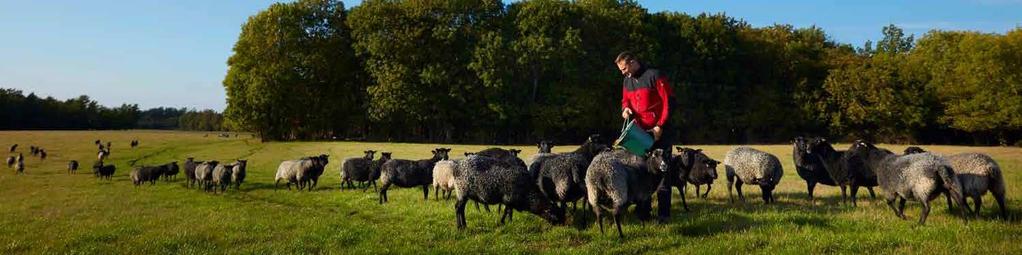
(627, 63)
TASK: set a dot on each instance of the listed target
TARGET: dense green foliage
(18, 111)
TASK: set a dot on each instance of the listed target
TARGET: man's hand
(656, 133)
(626, 113)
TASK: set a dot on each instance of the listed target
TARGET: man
(646, 97)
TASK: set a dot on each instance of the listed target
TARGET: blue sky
(174, 53)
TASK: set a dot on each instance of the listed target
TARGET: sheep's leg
(854, 193)
(681, 191)
(872, 195)
(810, 186)
(599, 217)
(901, 208)
(730, 187)
(926, 212)
(425, 192)
(459, 212)
(617, 221)
(738, 188)
(979, 204)
(999, 196)
(503, 216)
(436, 193)
(890, 203)
(707, 194)
(383, 193)
(947, 195)
(844, 194)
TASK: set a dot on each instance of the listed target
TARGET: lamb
(748, 165)
(561, 177)
(143, 174)
(844, 168)
(356, 169)
(978, 173)
(920, 177)
(204, 174)
(222, 177)
(407, 173)
(170, 170)
(618, 178)
(443, 177)
(308, 177)
(490, 180)
(103, 171)
(238, 173)
(72, 167)
(696, 168)
(190, 165)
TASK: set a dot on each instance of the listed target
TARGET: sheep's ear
(699, 150)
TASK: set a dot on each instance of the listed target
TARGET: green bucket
(634, 139)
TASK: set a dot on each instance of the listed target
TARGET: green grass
(50, 211)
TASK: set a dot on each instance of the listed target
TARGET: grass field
(50, 211)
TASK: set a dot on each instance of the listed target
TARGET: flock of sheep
(609, 180)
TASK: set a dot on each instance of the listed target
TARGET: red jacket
(648, 94)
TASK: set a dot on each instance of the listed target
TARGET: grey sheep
(356, 169)
(696, 168)
(298, 172)
(72, 167)
(408, 173)
(222, 177)
(920, 177)
(747, 165)
(103, 171)
(978, 173)
(308, 177)
(190, 165)
(238, 173)
(617, 178)
(844, 168)
(561, 177)
(204, 174)
(490, 180)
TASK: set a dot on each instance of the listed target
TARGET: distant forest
(495, 73)
(21, 112)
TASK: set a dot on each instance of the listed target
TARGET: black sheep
(844, 168)
(696, 168)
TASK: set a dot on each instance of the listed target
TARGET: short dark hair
(625, 56)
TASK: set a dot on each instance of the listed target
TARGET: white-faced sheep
(490, 180)
(72, 167)
(920, 177)
(617, 178)
(844, 168)
(103, 171)
(747, 165)
(408, 173)
(204, 174)
(356, 169)
(561, 177)
(238, 173)
(222, 177)
(696, 168)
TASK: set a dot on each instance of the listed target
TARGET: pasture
(48, 210)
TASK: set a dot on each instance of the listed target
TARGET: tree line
(486, 72)
(21, 112)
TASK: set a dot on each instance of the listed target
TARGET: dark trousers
(663, 191)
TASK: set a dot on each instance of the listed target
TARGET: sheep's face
(467, 154)
(385, 156)
(369, 154)
(659, 162)
(801, 145)
(705, 169)
(819, 146)
(514, 152)
(441, 153)
(545, 146)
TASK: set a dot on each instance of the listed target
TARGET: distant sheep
(407, 173)
(238, 173)
(374, 170)
(10, 161)
(103, 154)
(356, 169)
(308, 177)
(14, 147)
(190, 165)
(204, 174)
(298, 171)
(143, 174)
(103, 171)
(222, 177)
(170, 170)
(72, 167)
(617, 178)
(747, 165)
(490, 180)
(20, 167)
(42, 154)
(696, 168)
(920, 177)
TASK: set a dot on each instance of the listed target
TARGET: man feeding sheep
(645, 96)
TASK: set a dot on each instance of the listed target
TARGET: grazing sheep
(443, 178)
(844, 168)
(913, 150)
(34, 150)
(10, 161)
(103, 171)
(72, 167)
(42, 154)
(170, 170)
(374, 170)
(356, 169)
(617, 178)
(143, 174)
(978, 173)
(748, 165)
(298, 171)
(222, 177)
(407, 173)
(490, 180)
(696, 168)
(238, 173)
(190, 165)
(561, 177)
(308, 177)
(920, 177)
(204, 174)
(14, 147)
(134, 143)
(20, 167)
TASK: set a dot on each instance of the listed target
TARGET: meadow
(48, 210)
